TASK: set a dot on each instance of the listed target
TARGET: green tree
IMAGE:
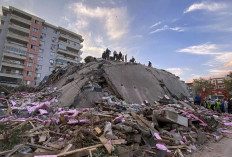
(199, 83)
(228, 82)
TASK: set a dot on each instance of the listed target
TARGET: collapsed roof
(84, 84)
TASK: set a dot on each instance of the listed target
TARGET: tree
(228, 82)
(199, 83)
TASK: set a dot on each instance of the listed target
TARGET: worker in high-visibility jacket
(209, 104)
(217, 106)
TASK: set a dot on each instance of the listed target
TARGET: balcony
(22, 29)
(66, 59)
(20, 19)
(71, 46)
(14, 55)
(69, 53)
(11, 84)
(11, 74)
(2, 17)
(18, 37)
(68, 37)
(12, 64)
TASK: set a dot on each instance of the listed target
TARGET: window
(220, 81)
(33, 38)
(29, 64)
(44, 28)
(15, 50)
(51, 69)
(39, 67)
(55, 32)
(51, 61)
(53, 47)
(27, 82)
(62, 47)
(31, 56)
(52, 53)
(42, 43)
(38, 75)
(41, 50)
(35, 30)
(29, 73)
(37, 22)
(33, 47)
(221, 86)
(43, 35)
(40, 58)
(54, 39)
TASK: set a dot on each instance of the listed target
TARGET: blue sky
(186, 37)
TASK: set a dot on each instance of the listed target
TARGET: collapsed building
(105, 107)
(82, 85)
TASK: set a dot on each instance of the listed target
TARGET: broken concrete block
(171, 117)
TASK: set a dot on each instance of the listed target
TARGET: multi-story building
(31, 48)
(218, 84)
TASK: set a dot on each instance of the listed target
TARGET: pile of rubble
(106, 108)
(33, 124)
(84, 84)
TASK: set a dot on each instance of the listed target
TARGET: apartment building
(218, 82)
(31, 48)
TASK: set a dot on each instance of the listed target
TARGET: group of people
(106, 55)
(221, 106)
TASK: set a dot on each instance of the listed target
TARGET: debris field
(106, 108)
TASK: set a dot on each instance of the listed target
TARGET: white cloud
(178, 71)
(204, 49)
(101, 27)
(65, 18)
(114, 20)
(205, 5)
(221, 62)
(166, 27)
(156, 24)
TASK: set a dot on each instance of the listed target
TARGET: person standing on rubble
(108, 54)
(120, 56)
(132, 60)
(115, 55)
(104, 55)
(149, 64)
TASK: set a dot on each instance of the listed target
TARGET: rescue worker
(197, 100)
(115, 55)
(104, 55)
(108, 54)
(217, 106)
(132, 60)
(120, 56)
(226, 106)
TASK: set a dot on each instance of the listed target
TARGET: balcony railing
(20, 19)
(2, 17)
(69, 37)
(17, 36)
(17, 27)
(78, 47)
(10, 72)
(12, 62)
